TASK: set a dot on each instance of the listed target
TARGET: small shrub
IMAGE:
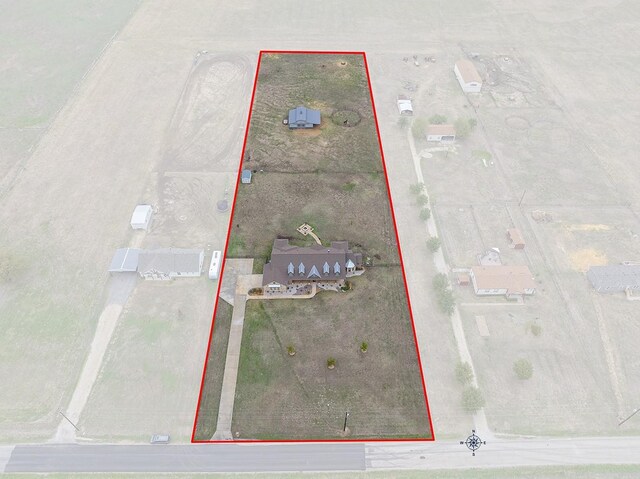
(403, 122)
(255, 292)
(535, 329)
(331, 363)
(349, 186)
(438, 119)
(433, 244)
(523, 369)
(472, 123)
(364, 347)
(425, 214)
(472, 399)
(291, 351)
(464, 374)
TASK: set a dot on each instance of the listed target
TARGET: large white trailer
(214, 267)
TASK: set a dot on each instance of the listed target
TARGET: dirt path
(479, 418)
(120, 288)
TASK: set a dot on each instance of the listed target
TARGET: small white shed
(141, 217)
(404, 105)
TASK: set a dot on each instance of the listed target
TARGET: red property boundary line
(404, 277)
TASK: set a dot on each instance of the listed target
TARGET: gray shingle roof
(124, 260)
(308, 262)
(302, 115)
(170, 260)
(614, 278)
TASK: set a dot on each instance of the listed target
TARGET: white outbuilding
(404, 105)
(141, 217)
(214, 267)
(468, 76)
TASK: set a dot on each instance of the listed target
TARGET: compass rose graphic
(473, 442)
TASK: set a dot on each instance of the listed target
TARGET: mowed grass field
(332, 178)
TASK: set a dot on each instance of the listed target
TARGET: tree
(433, 244)
(418, 128)
(472, 399)
(440, 282)
(417, 188)
(444, 296)
(425, 214)
(422, 199)
(438, 119)
(523, 369)
(462, 128)
(446, 302)
(464, 373)
(331, 363)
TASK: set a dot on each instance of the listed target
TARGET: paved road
(517, 452)
(187, 458)
(506, 453)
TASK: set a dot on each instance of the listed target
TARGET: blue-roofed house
(301, 117)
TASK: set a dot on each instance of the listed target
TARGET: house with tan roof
(498, 280)
(468, 76)
(292, 267)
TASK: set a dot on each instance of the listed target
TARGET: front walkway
(237, 275)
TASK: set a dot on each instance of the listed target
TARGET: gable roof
(441, 130)
(468, 71)
(170, 260)
(614, 277)
(125, 260)
(289, 263)
(302, 115)
(140, 214)
(515, 279)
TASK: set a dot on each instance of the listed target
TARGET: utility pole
(522, 198)
(346, 416)
(635, 411)
(69, 421)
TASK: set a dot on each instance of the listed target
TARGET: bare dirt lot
(316, 178)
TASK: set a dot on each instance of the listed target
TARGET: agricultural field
(332, 178)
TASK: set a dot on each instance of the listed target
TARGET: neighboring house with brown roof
(169, 263)
(468, 76)
(293, 266)
(510, 281)
(442, 133)
(515, 238)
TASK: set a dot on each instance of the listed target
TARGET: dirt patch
(583, 259)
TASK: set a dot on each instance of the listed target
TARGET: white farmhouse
(468, 76)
